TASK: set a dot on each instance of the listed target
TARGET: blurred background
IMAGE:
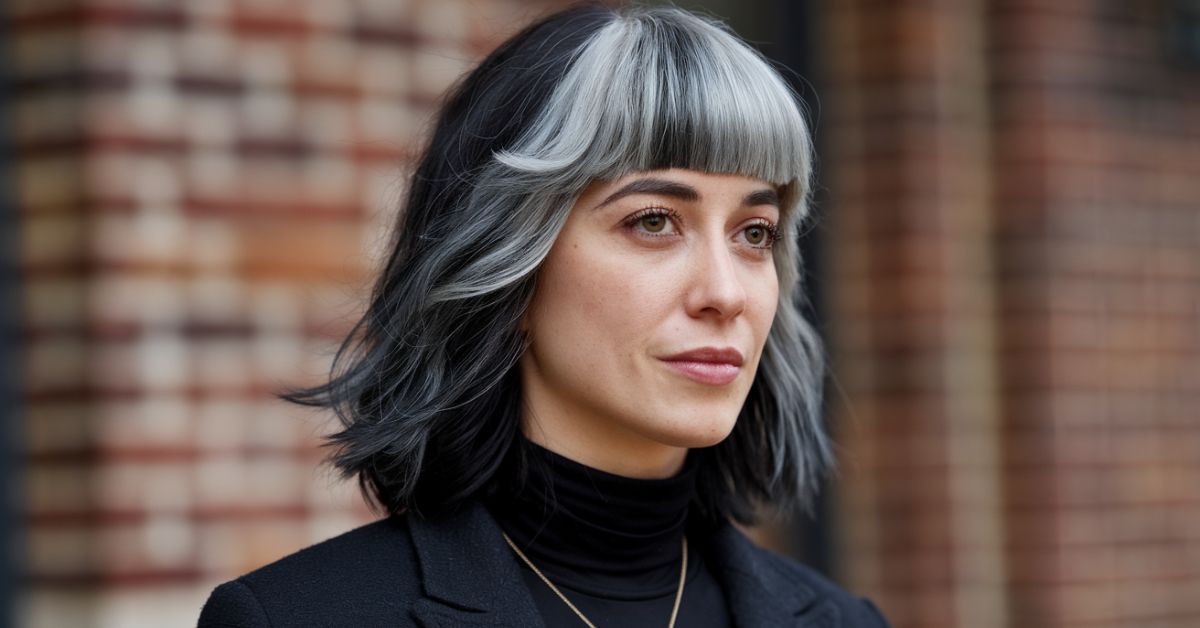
(1005, 266)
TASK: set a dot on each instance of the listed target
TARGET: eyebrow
(683, 192)
(762, 197)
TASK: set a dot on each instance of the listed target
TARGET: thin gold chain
(674, 608)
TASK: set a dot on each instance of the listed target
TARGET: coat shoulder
(855, 611)
(367, 576)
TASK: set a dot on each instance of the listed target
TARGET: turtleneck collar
(577, 522)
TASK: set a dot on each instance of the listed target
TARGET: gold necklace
(678, 592)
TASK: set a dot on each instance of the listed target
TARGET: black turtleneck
(611, 544)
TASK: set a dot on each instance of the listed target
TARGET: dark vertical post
(794, 45)
(1183, 31)
(9, 349)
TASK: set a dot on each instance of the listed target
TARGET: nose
(716, 289)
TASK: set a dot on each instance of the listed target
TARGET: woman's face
(649, 318)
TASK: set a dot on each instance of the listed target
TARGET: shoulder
(335, 582)
(854, 610)
(760, 579)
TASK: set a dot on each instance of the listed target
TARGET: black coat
(456, 570)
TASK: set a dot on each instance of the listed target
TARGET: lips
(709, 365)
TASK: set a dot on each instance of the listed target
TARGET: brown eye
(654, 223)
(756, 235)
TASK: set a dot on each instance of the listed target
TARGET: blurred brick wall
(1014, 241)
(1098, 174)
(202, 187)
(1015, 249)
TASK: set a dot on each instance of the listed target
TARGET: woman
(583, 357)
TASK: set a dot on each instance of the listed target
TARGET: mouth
(708, 365)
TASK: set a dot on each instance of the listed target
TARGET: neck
(571, 518)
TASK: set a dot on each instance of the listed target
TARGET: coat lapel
(470, 576)
(760, 592)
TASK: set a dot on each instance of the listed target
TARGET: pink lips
(708, 365)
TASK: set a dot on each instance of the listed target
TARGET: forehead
(695, 178)
(684, 185)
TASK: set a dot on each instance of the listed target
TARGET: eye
(761, 234)
(756, 234)
(652, 221)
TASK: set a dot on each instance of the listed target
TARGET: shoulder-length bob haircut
(425, 385)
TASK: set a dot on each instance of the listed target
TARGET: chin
(686, 431)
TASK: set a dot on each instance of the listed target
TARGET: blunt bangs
(648, 93)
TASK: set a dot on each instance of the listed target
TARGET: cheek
(768, 299)
(591, 301)
(762, 305)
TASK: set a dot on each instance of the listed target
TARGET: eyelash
(632, 221)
